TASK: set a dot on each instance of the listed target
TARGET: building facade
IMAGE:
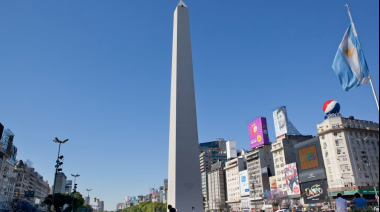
(60, 183)
(260, 167)
(217, 193)
(210, 153)
(283, 153)
(7, 186)
(232, 168)
(350, 149)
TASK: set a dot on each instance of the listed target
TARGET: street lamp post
(56, 140)
(369, 166)
(75, 189)
(89, 195)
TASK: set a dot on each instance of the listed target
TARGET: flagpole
(370, 78)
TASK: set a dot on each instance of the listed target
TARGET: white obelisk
(185, 189)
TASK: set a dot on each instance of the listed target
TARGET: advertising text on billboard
(308, 157)
(291, 177)
(244, 185)
(280, 118)
(315, 192)
(258, 132)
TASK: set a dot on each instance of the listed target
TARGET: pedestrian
(360, 203)
(171, 209)
(341, 204)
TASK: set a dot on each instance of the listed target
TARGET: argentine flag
(349, 63)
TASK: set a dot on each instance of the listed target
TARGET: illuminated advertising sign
(273, 183)
(308, 157)
(258, 132)
(291, 177)
(315, 192)
(231, 149)
(280, 118)
(244, 185)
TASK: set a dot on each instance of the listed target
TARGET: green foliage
(61, 199)
(204, 203)
(147, 207)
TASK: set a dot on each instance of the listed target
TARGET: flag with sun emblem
(350, 65)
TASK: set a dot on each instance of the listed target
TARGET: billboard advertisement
(231, 149)
(244, 185)
(315, 192)
(258, 132)
(155, 192)
(273, 183)
(280, 118)
(308, 158)
(291, 177)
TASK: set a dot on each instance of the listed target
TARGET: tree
(204, 202)
(59, 201)
(277, 197)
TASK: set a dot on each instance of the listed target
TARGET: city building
(350, 149)
(260, 167)
(60, 183)
(232, 168)
(29, 180)
(311, 173)
(210, 153)
(101, 206)
(284, 153)
(217, 193)
(69, 186)
(7, 187)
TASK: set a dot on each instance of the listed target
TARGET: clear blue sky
(98, 72)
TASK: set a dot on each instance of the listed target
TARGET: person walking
(360, 203)
(341, 204)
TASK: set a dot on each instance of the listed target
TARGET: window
(337, 142)
(338, 151)
(335, 134)
(324, 145)
(326, 154)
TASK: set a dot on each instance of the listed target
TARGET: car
(283, 210)
(377, 209)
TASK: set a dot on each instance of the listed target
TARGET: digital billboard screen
(280, 118)
(244, 185)
(308, 157)
(291, 177)
(315, 192)
(258, 132)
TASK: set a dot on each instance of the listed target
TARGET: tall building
(185, 190)
(348, 146)
(217, 193)
(60, 183)
(29, 180)
(284, 153)
(260, 167)
(210, 153)
(232, 168)
(68, 186)
(101, 206)
(7, 187)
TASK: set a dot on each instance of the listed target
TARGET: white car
(377, 209)
(284, 210)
